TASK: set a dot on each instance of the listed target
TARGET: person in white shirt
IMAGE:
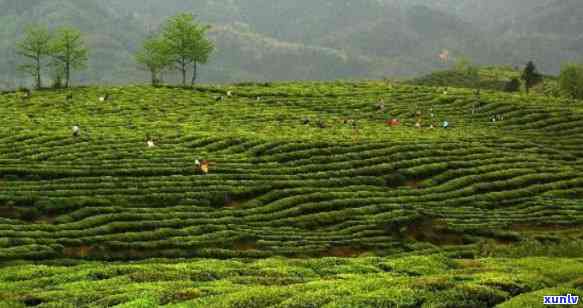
(76, 131)
(381, 105)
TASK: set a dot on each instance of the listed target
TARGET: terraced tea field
(280, 188)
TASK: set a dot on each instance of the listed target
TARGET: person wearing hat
(76, 131)
(202, 166)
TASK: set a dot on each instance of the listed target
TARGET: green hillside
(443, 216)
(490, 77)
(263, 40)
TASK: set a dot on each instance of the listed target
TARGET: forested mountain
(281, 40)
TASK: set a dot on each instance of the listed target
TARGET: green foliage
(68, 52)
(155, 57)
(571, 81)
(186, 43)
(35, 46)
(281, 42)
(409, 198)
(329, 282)
(530, 76)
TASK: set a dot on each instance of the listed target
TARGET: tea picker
(381, 105)
(202, 166)
(27, 94)
(150, 142)
(393, 122)
(418, 119)
(104, 98)
(76, 131)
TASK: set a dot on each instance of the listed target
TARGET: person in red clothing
(393, 122)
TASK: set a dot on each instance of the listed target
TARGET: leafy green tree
(571, 81)
(155, 57)
(69, 52)
(57, 72)
(531, 76)
(186, 43)
(35, 47)
(178, 33)
(201, 52)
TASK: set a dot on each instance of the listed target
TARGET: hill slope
(377, 38)
(280, 188)
(277, 183)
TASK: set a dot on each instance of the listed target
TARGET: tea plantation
(311, 199)
(489, 77)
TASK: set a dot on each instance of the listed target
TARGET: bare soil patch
(414, 184)
(344, 252)
(434, 231)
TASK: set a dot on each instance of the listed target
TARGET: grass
(291, 215)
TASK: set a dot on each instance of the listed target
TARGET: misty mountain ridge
(301, 40)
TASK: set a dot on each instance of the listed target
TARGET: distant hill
(490, 78)
(282, 40)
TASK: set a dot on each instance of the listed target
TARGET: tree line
(62, 51)
(570, 80)
(180, 45)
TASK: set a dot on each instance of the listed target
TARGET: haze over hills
(462, 187)
(300, 40)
